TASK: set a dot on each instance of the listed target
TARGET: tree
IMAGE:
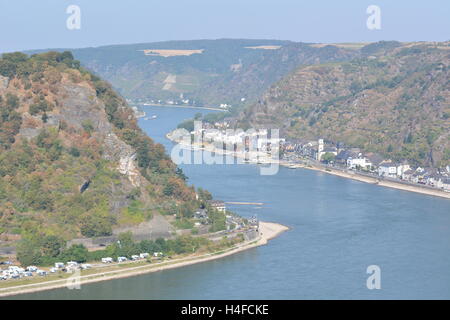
(76, 252)
(187, 124)
(28, 252)
(73, 151)
(95, 225)
(161, 245)
(217, 220)
(35, 197)
(126, 246)
(15, 57)
(168, 189)
(134, 194)
(87, 126)
(7, 68)
(179, 172)
(148, 246)
(328, 157)
(39, 106)
(12, 100)
(52, 246)
(10, 62)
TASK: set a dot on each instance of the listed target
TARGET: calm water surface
(338, 228)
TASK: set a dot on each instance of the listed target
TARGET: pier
(247, 203)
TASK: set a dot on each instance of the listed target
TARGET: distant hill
(393, 99)
(73, 161)
(209, 72)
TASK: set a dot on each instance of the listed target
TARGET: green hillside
(394, 99)
(219, 72)
(73, 162)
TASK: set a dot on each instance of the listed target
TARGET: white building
(388, 169)
(402, 168)
(361, 162)
(218, 205)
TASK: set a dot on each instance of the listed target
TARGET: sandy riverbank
(268, 231)
(381, 183)
(348, 175)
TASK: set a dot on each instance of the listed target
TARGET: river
(339, 227)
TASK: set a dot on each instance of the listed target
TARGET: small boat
(153, 117)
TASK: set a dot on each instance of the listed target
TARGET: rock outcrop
(4, 82)
(73, 160)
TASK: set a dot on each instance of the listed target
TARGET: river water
(339, 227)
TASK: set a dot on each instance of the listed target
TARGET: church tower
(320, 149)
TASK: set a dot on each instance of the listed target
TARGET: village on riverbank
(261, 146)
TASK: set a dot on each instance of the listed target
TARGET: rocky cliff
(73, 161)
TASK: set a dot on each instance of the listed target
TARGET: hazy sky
(36, 24)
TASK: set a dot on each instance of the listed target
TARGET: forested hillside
(394, 99)
(209, 72)
(73, 162)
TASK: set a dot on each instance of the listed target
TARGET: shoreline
(331, 171)
(267, 232)
(374, 181)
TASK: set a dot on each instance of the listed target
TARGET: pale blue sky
(40, 24)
